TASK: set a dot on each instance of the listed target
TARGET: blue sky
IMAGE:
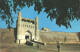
(43, 21)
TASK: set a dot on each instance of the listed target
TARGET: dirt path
(12, 47)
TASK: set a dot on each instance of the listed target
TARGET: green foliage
(63, 11)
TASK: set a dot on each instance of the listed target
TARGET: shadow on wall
(79, 35)
(15, 33)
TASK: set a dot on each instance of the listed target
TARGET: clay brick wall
(59, 36)
(7, 35)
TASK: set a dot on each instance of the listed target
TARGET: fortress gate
(27, 29)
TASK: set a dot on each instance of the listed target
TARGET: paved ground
(9, 47)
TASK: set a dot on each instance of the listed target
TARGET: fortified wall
(48, 36)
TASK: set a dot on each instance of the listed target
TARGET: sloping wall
(59, 36)
(7, 35)
(78, 35)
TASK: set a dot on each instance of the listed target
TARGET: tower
(19, 28)
(19, 24)
(36, 29)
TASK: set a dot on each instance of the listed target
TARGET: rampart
(63, 37)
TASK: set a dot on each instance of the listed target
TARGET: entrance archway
(28, 36)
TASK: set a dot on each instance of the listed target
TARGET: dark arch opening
(28, 35)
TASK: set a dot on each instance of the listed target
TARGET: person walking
(58, 46)
(37, 46)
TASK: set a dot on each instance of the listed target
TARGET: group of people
(39, 46)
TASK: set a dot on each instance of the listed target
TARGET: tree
(63, 11)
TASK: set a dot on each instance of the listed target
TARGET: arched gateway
(28, 36)
(27, 29)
